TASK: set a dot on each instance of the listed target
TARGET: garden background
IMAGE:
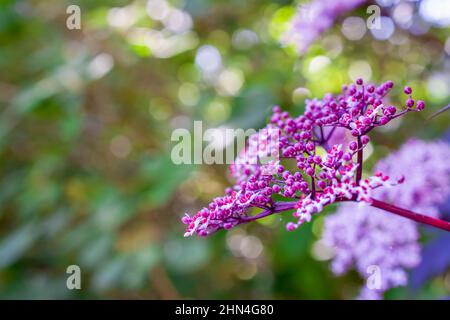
(86, 118)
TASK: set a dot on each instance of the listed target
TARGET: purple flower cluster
(427, 168)
(364, 236)
(312, 19)
(260, 146)
(304, 167)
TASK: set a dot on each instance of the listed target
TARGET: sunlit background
(86, 118)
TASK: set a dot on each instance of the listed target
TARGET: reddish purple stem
(278, 207)
(438, 223)
(360, 160)
(417, 217)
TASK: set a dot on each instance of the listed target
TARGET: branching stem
(417, 217)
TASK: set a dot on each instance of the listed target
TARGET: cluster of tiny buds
(326, 173)
(410, 102)
(359, 108)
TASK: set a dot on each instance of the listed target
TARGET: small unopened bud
(291, 226)
(353, 145)
(420, 105)
(410, 103)
(384, 120)
(365, 139)
(407, 90)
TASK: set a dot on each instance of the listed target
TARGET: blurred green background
(85, 123)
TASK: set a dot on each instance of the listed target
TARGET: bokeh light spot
(354, 28)
(120, 146)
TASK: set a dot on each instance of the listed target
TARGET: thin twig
(438, 112)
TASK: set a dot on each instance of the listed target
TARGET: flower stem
(360, 160)
(278, 207)
(417, 217)
(441, 224)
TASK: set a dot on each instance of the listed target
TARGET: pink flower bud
(384, 120)
(407, 90)
(365, 139)
(290, 226)
(420, 105)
